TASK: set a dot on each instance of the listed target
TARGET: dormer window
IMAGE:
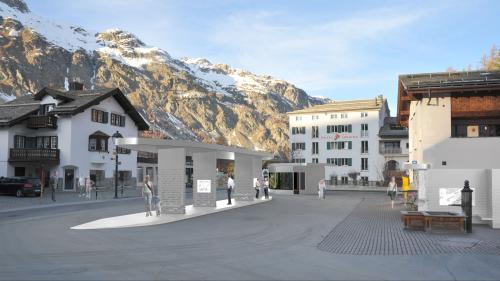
(46, 108)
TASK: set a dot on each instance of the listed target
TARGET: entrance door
(296, 183)
(69, 179)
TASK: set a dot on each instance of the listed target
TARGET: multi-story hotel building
(454, 135)
(343, 134)
(68, 135)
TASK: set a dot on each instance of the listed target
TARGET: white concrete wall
(374, 120)
(495, 198)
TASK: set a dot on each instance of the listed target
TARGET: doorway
(69, 178)
(299, 180)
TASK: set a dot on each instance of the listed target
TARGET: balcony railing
(390, 150)
(42, 121)
(30, 155)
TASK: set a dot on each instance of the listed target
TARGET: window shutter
(349, 128)
(349, 161)
(350, 144)
(105, 117)
(122, 121)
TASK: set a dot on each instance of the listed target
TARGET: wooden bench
(409, 217)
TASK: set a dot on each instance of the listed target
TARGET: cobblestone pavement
(374, 228)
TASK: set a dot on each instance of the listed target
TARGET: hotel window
(298, 130)
(117, 120)
(333, 116)
(344, 180)
(339, 129)
(298, 146)
(407, 145)
(338, 145)
(44, 142)
(315, 131)
(299, 160)
(364, 114)
(298, 118)
(364, 146)
(315, 117)
(339, 161)
(315, 160)
(364, 164)
(364, 180)
(364, 130)
(99, 116)
(315, 148)
(343, 115)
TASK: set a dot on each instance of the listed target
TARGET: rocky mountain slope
(183, 99)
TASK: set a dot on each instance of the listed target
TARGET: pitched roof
(73, 103)
(348, 105)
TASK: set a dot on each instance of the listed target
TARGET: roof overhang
(415, 87)
(154, 145)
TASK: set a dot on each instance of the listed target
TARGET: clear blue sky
(338, 49)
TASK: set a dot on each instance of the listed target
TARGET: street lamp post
(115, 137)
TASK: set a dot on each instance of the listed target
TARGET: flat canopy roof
(294, 167)
(153, 145)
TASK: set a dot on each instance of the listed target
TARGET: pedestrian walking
(88, 187)
(257, 188)
(392, 189)
(322, 185)
(266, 188)
(81, 186)
(230, 187)
(53, 184)
(147, 192)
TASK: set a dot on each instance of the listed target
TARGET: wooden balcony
(34, 155)
(42, 121)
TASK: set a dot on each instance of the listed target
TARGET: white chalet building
(343, 134)
(68, 135)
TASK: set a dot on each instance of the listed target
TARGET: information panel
(453, 196)
(203, 186)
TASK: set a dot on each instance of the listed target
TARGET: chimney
(75, 86)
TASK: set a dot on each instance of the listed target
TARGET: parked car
(20, 186)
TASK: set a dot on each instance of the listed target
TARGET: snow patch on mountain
(6, 98)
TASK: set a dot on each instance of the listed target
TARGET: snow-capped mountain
(182, 98)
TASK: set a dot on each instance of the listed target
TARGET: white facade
(444, 162)
(354, 119)
(75, 157)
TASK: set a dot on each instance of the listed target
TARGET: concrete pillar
(495, 198)
(243, 177)
(204, 168)
(171, 180)
(257, 167)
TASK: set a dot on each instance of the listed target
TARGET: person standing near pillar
(266, 188)
(257, 188)
(53, 183)
(230, 187)
(147, 192)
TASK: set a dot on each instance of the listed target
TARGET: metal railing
(42, 154)
(42, 121)
(351, 182)
(390, 150)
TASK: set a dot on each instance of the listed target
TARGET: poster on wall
(453, 196)
(203, 186)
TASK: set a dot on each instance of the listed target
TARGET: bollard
(467, 206)
(96, 193)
